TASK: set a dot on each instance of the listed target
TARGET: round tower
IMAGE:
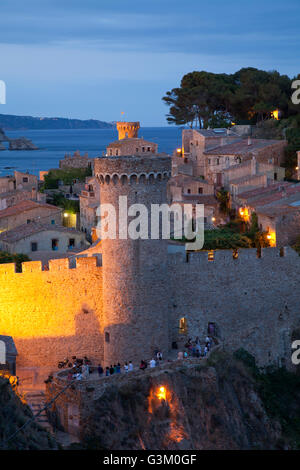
(135, 294)
(128, 130)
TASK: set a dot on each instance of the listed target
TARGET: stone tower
(135, 295)
(128, 130)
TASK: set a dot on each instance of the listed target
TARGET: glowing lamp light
(213, 219)
(269, 237)
(66, 214)
(178, 150)
(297, 168)
(161, 393)
(242, 212)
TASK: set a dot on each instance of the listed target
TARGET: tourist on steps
(100, 370)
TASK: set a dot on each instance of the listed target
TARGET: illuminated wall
(52, 314)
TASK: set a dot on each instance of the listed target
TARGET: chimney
(249, 141)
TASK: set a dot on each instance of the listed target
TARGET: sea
(54, 144)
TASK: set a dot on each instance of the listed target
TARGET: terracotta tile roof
(184, 179)
(24, 206)
(273, 197)
(276, 211)
(26, 230)
(268, 190)
(241, 147)
(200, 199)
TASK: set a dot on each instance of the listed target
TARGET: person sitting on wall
(152, 363)
(118, 369)
(126, 367)
(107, 371)
(130, 366)
(143, 365)
(111, 370)
(100, 370)
(180, 355)
(159, 356)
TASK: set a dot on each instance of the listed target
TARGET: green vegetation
(224, 238)
(296, 246)
(67, 176)
(17, 258)
(236, 234)
(68, 205)
(279, 391)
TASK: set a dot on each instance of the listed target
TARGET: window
(54, 243)
(71, 242)
(34, 246)
(143, 149)
(189, 191)
(149, 149)
(218, 161)
(25, 179)
(52, 222)
(183, 325)
(275, 176)
(117, 153)
(208, 161)
(28, 221)
(107, 338)
(137, 149)
(200, 190)
(110, 151)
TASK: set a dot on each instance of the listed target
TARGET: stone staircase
(36, 401)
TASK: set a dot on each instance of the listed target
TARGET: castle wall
(52, 314)
(254, 302)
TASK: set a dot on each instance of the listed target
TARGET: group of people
(114, 369)
(194, 349)
(128, 366)
(81, 367)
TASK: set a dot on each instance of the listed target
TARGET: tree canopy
(250, 95)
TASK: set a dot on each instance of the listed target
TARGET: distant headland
(12, 122)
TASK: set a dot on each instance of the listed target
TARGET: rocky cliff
(215, 405)
(13, 415)
(21, 143)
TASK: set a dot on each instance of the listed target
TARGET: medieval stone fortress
(122, 299)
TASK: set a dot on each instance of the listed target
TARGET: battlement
(55, 265)
(240, 256)
(132, 169)
(128, 130)
(133, 178)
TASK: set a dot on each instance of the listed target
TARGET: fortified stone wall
(53, 314)
(253, 302)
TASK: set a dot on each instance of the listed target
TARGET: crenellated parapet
(55, 266)
(245, 256)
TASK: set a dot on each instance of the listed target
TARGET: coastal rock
(3, 137)
(21, 144)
